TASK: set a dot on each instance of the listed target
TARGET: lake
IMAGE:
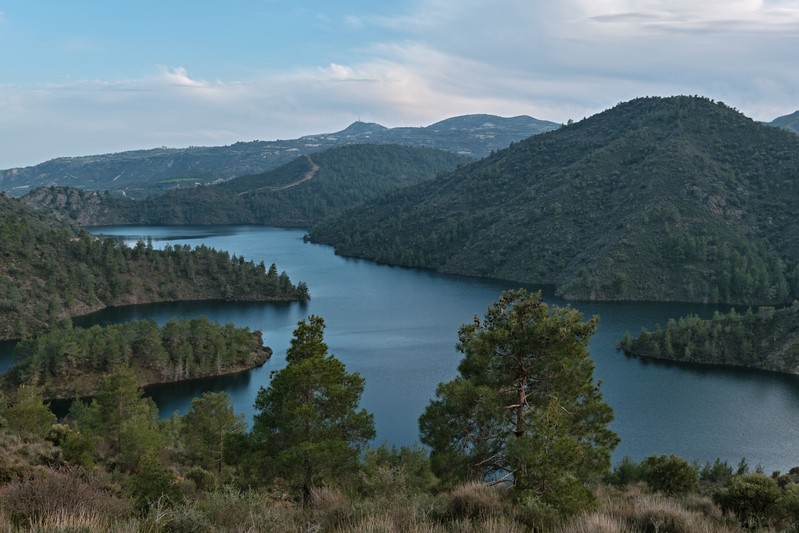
(398, 327)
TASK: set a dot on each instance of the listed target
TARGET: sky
(84, 77)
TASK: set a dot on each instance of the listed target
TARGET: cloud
(2, 17)
(434, 59)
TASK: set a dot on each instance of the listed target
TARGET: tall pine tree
(308, 430)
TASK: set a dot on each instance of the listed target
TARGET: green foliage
(625, 473)
(121, 420)
(209, 420)
(28, 415)
(50, 271)
(395, 470)
(670, 475)
(753, 498)
(524, 408)
(675, 198)
(718, 473)
(768, 340)
(151, 483)
(71, 362)
(307, 430)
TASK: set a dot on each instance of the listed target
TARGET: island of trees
(767, 339)
(72, 362)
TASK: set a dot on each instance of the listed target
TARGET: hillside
(787, 122)
(766, 340)
(142, 173)
(677, 198)
(50, 271)
(298, 194)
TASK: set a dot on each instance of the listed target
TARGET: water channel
(398, 327)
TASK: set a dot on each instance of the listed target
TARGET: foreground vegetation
(677, 198)
(113, 465)
(51, 271)
(70, 363)
(767, 340)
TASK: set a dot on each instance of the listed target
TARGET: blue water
(398, 327)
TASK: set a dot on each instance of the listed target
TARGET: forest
(657, 199)
(346, 176)
(307, 461)
(767, 339)
(71, 362)
(51, 271)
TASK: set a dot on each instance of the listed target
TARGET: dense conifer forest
(678, 198)
(767, 339)
(71, 362)
(51, 271)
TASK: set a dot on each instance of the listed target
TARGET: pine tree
(307, 430)
(524, 409)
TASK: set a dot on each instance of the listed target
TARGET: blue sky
(86, 77)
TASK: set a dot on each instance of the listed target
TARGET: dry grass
(634, 511)
(45, 498)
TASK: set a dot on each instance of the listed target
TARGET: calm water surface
(398, 328)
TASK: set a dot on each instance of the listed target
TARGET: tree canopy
(308, 429)
(524, 408)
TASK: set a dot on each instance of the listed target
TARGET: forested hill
(142, 173)
(50, 271)
(298, 194)
(678, 198)
(767, 339)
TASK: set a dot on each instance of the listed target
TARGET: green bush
(625, 473)
(670, 475)
(753, 498)
(151, 483)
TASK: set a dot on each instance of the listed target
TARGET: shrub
(753, 498)
(720, 472)
(625, 473)
(471, 500)
(48, 494)
(152, 483)
(670, 475)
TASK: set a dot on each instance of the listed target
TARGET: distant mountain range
(299, 194)
(677, 198)
(143, 173)
(787, 122)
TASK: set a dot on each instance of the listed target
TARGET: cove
(398, 328)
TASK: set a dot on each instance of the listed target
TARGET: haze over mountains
(143, 173)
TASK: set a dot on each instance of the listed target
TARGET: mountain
(787, 122)
(298, 194)
(677, 198)
(144, 173)
(51, 271)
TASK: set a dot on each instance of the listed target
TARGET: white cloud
(551, 60)
(2, 17)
